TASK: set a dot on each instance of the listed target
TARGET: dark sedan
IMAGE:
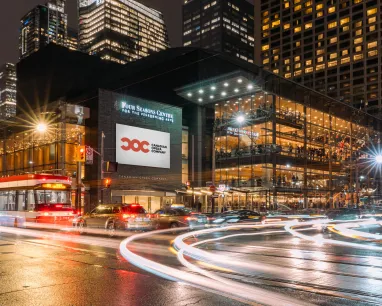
(236, 216)
(168, 218)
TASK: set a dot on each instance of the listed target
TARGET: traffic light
(82, 154)
(107, 183)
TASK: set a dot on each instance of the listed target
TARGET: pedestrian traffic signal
(108, 183)
(82, 154)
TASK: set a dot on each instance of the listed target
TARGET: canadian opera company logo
(136, 145)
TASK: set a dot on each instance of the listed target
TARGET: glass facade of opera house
(286, 146)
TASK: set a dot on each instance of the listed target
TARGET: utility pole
(102, 162)
(79, 181)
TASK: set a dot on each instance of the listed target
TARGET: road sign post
(212, 189)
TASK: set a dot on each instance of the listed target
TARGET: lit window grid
(269, 63)
(150, 34)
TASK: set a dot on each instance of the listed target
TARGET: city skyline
(10, 15)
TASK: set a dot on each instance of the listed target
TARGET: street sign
(221, 187)
(209, 183)
(89, 156)
(212, 188)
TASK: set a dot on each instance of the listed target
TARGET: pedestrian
(199, 206)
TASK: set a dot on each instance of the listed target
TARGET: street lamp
(240, 119)
(378, 159)
(41, 127)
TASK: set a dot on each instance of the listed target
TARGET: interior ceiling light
(201, 91)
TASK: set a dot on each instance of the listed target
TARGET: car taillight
(46, 214)
(211, 218)
(58, 205)
(191, 218)
(125, 216)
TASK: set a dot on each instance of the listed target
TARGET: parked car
(167, 218)
(236, 216)
(110, 217)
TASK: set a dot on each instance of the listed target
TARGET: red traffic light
(82, 154)
(107, 183)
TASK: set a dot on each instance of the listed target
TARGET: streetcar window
(8, 200)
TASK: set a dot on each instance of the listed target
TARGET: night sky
(11, 12)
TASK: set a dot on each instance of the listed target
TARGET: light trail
(220, 285)
(320, 240)
(347, 231)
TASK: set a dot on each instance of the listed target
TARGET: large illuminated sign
(140, 111)
(142, 147)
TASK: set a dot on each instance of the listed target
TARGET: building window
(297, 29)
(372, 44)
(265, 47)
(372, 11)
(358, 57)
(332, 25)
(309, 70)
(345, 60)
(372, 53)
(372, 19)
(332, 64)
(320, 67)
(358, 40)
(308, 26)
(297, 73)
(331, 9)
(287, 75)
(333, 40)
(344, 20)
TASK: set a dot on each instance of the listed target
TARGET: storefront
(145, 139)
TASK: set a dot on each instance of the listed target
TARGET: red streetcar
(42, 198)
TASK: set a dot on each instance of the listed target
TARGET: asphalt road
(41, 267)
(43, 271)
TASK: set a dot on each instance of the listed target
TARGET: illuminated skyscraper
(42, 25)
(331, 46)
(120, 30)
(7, 91)
(72, 39)
(220, 25)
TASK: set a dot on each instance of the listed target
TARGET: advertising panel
(142, 147)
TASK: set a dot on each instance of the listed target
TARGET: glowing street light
(378, 158)
(240, 119)
(41, 127)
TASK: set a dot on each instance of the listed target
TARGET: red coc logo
(135, 145)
